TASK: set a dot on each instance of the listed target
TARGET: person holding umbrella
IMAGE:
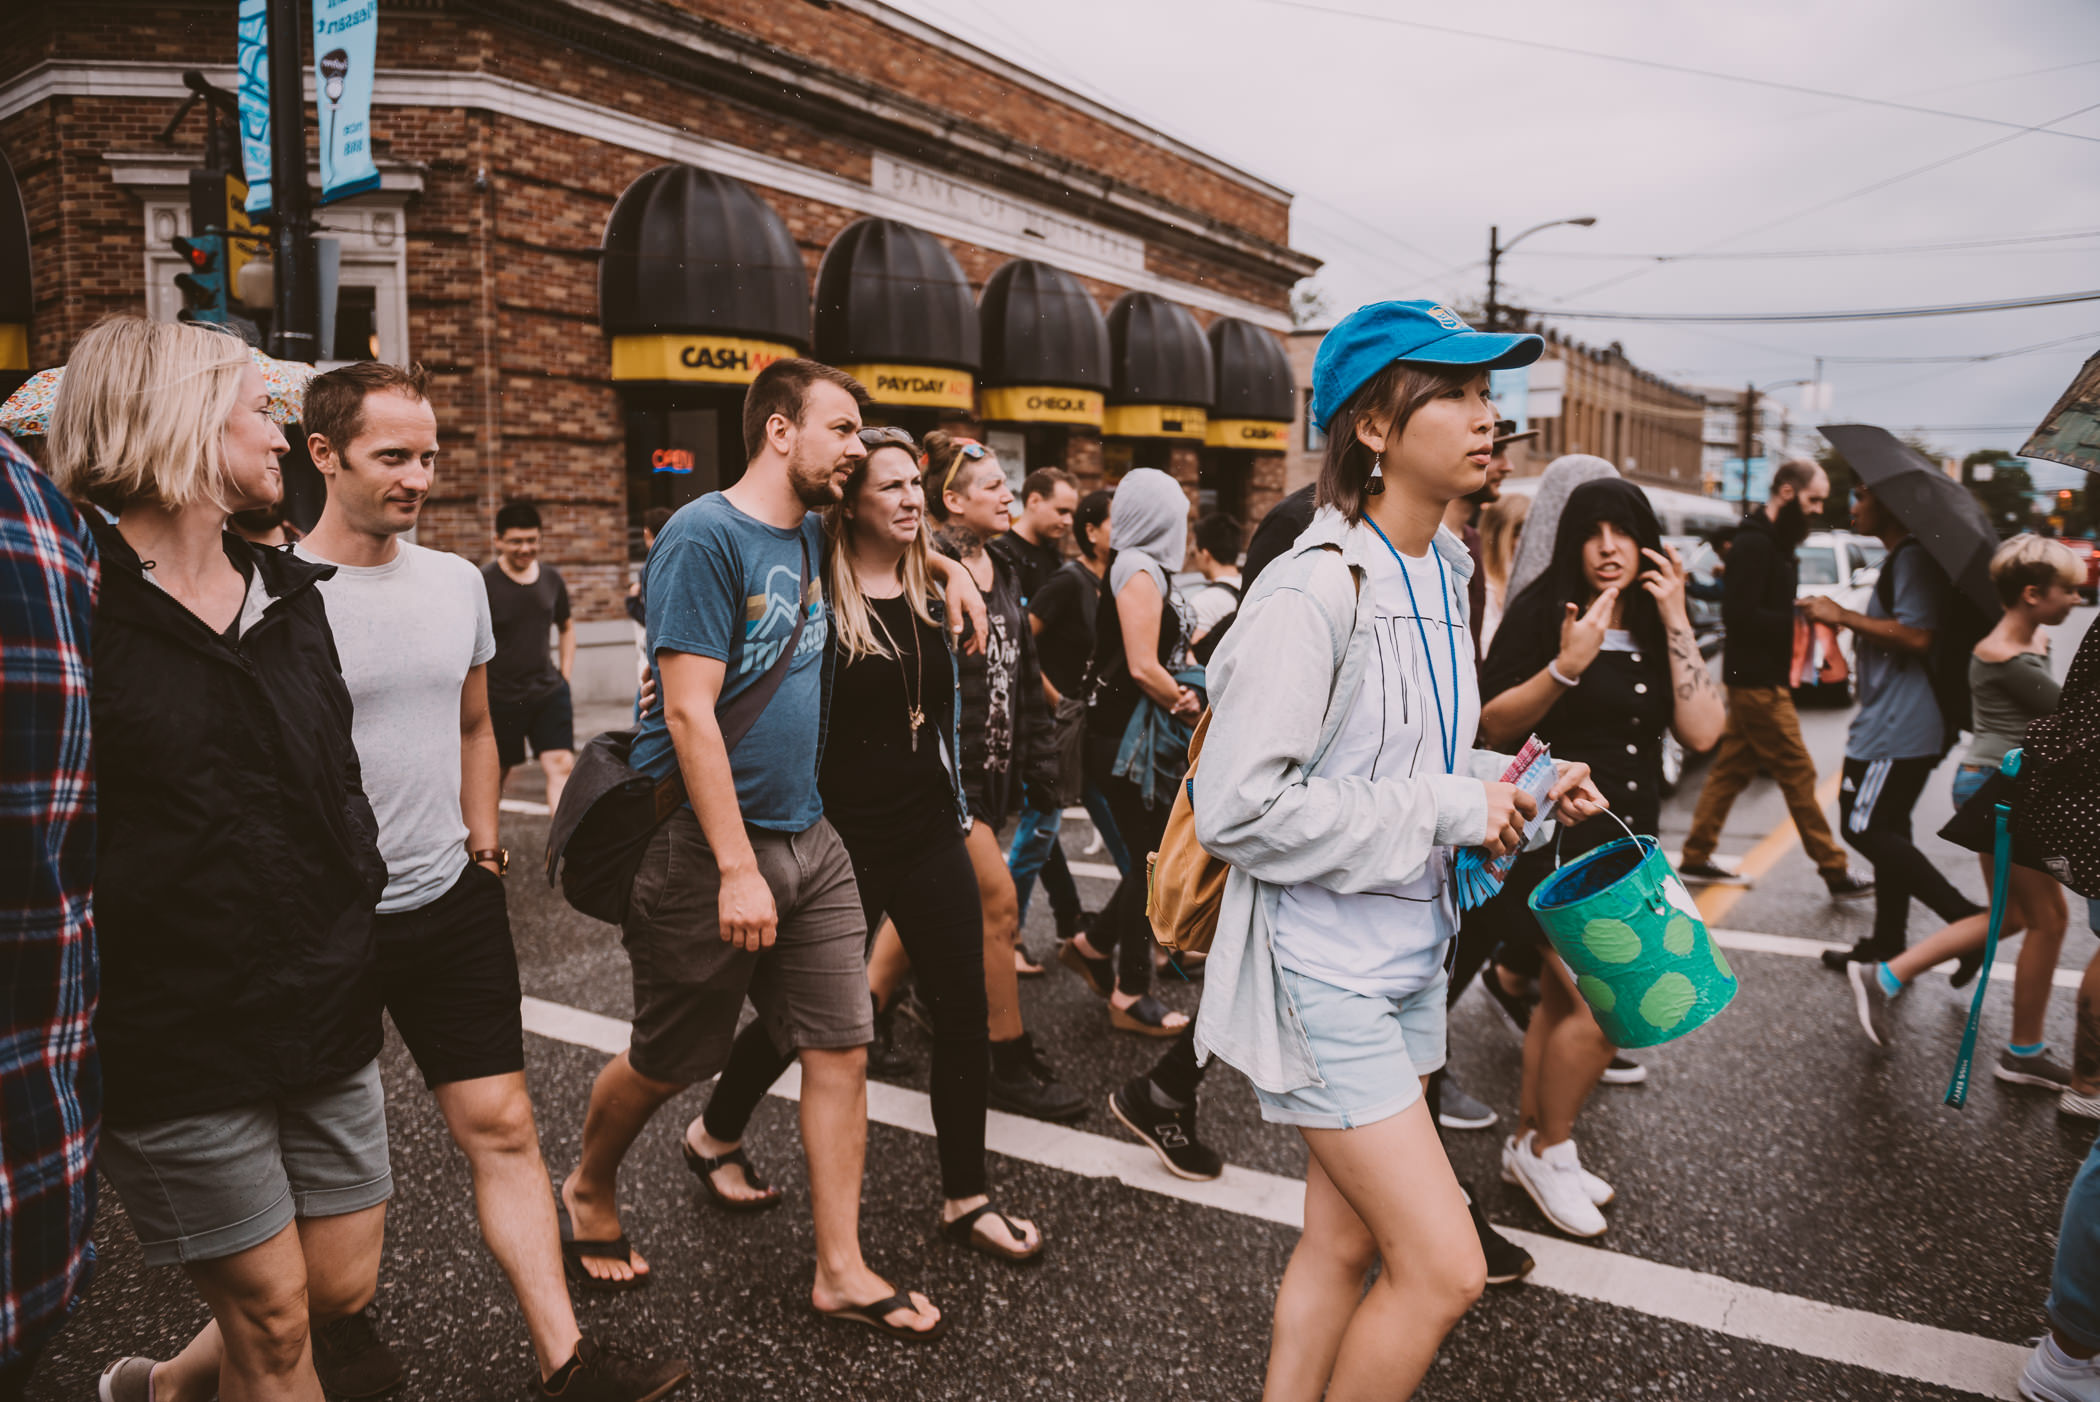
(1900, 734)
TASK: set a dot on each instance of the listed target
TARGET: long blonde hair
(1501, 524)
(858, 630)
(140, 413)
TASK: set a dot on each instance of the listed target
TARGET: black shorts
(548, 722)
(449, 974)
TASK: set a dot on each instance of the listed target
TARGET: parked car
(2088, 553)
(1843, 566)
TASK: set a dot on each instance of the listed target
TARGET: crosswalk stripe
(1857, 1338)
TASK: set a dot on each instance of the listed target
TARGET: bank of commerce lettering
(769, 620)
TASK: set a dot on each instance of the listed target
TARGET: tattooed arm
(1700, 712)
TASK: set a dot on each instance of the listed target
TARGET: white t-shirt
(408, 632)
(1209, 603)
(1390, 942)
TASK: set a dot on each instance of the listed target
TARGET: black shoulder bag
(609, 810)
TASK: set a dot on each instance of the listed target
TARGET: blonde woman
(892, 788)
(1501, 528)
(238, 865)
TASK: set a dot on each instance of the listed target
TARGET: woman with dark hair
(1597, 657)
(1338, 775)
(893, 790)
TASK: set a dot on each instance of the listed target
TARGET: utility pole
(1494, 264)
(297, 334)
(1747, 431)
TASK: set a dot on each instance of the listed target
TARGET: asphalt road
(1798, 1215)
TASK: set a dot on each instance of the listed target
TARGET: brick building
(1651, 429)
(598, 218)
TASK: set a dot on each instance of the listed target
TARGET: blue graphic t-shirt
(721, 584)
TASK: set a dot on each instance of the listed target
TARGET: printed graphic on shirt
(1002, 666)
(769, 621)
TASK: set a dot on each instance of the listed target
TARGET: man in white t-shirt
(413, 632)
(1215, 556)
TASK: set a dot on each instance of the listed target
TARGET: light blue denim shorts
(1371, 1053)
(1968, 779)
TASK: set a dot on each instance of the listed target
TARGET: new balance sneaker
(1170, 1132)
(1553, 1181)
(1870, 1001)
(1624, 1071)
(1457, 1110)
(1599, 1191)
(353, 1361)
(2083, 1107)
(1711, 873)
(1849, 885)
(1507, 1262)
(2051, 1375)
(2041, 1069)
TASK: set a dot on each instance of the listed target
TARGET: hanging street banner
(254, 59)
(346, 42)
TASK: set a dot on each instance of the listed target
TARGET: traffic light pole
(296, 334)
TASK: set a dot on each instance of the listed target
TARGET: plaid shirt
(50, 1084)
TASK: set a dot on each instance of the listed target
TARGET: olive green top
(2003, 698)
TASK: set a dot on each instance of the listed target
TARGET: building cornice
(558, 111)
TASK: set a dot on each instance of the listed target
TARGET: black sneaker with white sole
(2041, 1070)
(1171, 1133)
(1710, 873)
(603, 1373)
(1457, 1110)
(1507, 1262)
(1849, 885)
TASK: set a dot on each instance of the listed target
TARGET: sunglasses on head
(873, 438)
(966, 450)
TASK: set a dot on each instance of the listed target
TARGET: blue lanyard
(1448, 733)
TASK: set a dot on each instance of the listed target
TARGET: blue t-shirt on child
(721, 584)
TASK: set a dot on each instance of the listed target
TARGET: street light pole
(297, 333)
(1496, 248)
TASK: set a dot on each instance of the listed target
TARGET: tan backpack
(1184, 885)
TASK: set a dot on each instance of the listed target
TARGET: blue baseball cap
(1421, 333)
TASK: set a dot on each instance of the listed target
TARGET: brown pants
(1763, 730)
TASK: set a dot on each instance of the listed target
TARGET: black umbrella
(1932, 506)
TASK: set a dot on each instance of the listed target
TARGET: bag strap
(2001, 877)
(736, 717)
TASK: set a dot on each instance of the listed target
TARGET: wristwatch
(499, 855)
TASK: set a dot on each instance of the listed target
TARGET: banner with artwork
(346, 41)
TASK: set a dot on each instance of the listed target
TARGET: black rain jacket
(237, 859)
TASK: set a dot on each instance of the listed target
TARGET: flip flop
(1147, 1017)
(574, 1253)
(1024, 962)
(1100, 974)
(704, 1168)
(876, 1317)
(964, 1229)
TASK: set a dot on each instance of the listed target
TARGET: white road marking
(1893, 1347)
(523, 805)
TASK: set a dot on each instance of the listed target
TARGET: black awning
(1157, 353)
(1254, 379)
(890, 294)
(1041, 328)
(689, 251)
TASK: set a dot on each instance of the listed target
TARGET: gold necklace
(915, 712)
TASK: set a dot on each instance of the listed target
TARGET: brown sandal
(1147, 1017)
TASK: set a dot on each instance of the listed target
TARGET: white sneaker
(2051, 1375)
(1553, 1180)
(1600, 1192)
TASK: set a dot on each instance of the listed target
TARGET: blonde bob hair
(859, 631)
(140, 412)
(2029, 560)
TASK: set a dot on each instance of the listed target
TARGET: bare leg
(258, 1302)
(835, 1143)
(556, 764)
(1002, 919)
(1572, 1063)
(2040, 902)
(491, 1121)
(622, 1100)
(1394, 1177)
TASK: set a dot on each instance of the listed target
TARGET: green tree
(2001, 485)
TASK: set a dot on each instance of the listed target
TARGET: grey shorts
(810, 987)
(207, 1186)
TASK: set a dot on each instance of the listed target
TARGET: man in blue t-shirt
(745, 889)
(1896, 740)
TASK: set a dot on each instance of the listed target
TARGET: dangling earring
(1375, 484)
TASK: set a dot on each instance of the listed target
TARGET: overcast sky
(1402, 146)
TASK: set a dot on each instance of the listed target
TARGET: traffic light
(203, 284)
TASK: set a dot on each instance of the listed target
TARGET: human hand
(1509, 809)
(1187, 705)
(1821, 608)
(645, 695)
(1665, 584)
(1574, 794)
(966, 606)
(745, 910)
(1582, 635)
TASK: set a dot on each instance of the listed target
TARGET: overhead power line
(1717, 74)
(1954, 246)
(2055, 299)
(1956, 359)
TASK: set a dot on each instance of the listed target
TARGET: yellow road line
(1716, 901)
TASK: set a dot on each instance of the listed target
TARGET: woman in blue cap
(1338, 777)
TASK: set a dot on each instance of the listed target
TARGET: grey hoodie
(1148, 528)
(1542, 522)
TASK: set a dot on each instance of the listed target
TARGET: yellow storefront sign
(719, 360)
(916, 386)
(1155, 421)
(1261, 435)
(1041, 404)
(14, 346)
